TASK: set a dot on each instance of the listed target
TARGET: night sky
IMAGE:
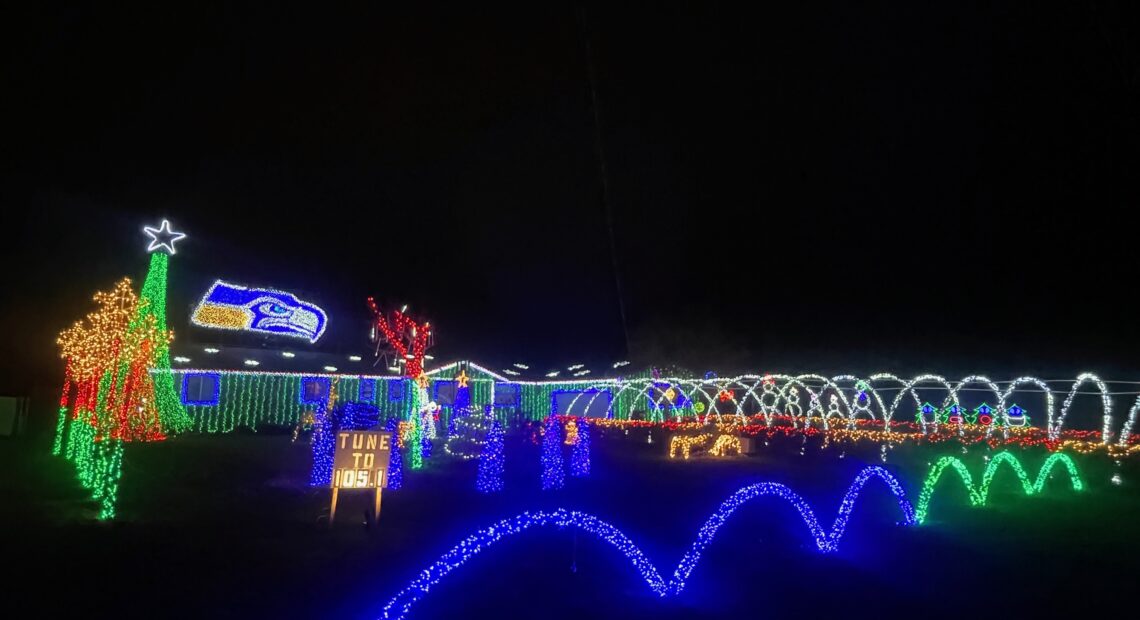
(843, 189)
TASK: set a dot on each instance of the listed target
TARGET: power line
(601, 154)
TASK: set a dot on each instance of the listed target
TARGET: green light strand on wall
(382, 397)
(255, 400)
(980, 494)
(480, 394)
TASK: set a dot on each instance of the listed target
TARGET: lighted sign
(361, 459)
(229, 306)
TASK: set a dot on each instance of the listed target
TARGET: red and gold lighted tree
(109, 355)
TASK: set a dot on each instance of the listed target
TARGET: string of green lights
(979, 494)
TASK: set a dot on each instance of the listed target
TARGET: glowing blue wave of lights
(471, 546)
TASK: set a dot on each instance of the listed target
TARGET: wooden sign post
(360, 462)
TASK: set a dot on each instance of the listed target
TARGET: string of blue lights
(400, 604)
(553, 474)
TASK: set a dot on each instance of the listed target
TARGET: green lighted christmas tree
(171, 413)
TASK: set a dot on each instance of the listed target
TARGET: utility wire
(601, 154)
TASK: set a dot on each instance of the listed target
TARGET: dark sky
(853, 188)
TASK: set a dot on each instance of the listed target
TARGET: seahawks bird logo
(229, 306)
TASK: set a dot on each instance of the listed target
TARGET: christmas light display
(1015, 416)
(234, 307)
(686, 444)
(580, 453)
(898, 433)
(983, 414)
(429, 412)
(553, 476)
(846, 408)
(927, 413)
(980, 493)
(152, 313)
(490, 478)
(466, 432)
(773, 392)
(408, 339)
(404, 430)
(162, 239)
(571, 432)
(256, 399)
(61, 417)
(108, 356)
(197, 399)
(324, 438)
(723, 444)
(395, 461)
(826, 541)
(416, 441)
(955, 414)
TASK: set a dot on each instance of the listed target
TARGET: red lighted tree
(408, 339)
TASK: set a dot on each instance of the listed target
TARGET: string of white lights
(772, 393)
(783, 390)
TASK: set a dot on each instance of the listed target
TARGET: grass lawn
(226, 527)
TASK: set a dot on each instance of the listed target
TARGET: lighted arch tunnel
(847, 397)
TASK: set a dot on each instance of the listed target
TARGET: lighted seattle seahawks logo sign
(229, 306)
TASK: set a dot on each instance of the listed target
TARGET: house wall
(253, 400)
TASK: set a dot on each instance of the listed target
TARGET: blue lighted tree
(553, 476)
(580, 454)
(396, 462)
(491, 461)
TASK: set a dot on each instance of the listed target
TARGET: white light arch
(1106, 404)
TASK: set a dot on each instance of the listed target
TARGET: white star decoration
(162, 238)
